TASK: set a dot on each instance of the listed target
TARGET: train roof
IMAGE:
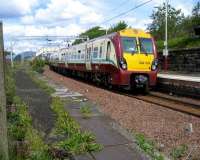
(128, 32)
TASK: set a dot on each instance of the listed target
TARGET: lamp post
(165, 53)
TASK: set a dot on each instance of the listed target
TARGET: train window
(79, 54)
(95, 52)
(129, 44)
(82, 56)
(100, 52)
(146, 45)
(89, 52)
(108, 51)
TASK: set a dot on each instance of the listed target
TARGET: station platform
(179, 84)
(191, 78)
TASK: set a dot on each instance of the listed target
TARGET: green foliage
(157, 27)
(179, 152)
(77, 142)
(91, 34)
(38, 150)
(177, 43)
(196, 14)
(9, 84)
(180, 28)
(41, 83)
(19, 121)
(148, 147)
(118, 27)
(86, 111)
(38, 65)
(80, 143)
(98, 31)
(20, 128)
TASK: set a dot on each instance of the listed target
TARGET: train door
(108, 51)
(88, 56)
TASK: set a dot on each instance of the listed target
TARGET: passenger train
(127, 58)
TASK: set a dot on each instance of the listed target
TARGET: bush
(178, 43)
(38, 65)
(9, 85)
(19, 121)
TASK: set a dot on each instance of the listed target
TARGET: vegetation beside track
(77, 141)
(24, 141)
(148, 146)
(41, 83)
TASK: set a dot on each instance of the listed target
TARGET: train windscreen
(146, 45)
(129, 44)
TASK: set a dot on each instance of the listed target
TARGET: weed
(86, 111)
(38, 150)
(77, 142)
(148, 147)
(9, 84)
(38, 65)
(20, 129)
(42, 84)
(19, 121)
(179, 152)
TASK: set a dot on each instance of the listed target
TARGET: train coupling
(141, 80)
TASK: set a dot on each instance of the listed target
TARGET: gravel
(167, 127)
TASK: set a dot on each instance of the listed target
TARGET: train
(127, 58)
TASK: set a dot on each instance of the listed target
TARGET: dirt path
(38, 102)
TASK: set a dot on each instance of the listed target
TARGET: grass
(148, 147)
(178, 43)
(86, 111)
(20, 129)
(77, 141)
(179, 152)
(41, 83)
(9, 84)
(38, 149)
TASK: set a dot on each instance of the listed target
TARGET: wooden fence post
(3, 118)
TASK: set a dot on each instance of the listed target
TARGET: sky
(71, 17)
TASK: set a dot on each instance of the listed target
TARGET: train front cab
(138, 63)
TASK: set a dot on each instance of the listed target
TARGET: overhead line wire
(124, 13)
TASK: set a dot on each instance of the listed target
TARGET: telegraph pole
(165, 53)
(3, 118)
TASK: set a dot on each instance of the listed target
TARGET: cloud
(64, 11)
(186, 8)
(16, 8)
(11, 30)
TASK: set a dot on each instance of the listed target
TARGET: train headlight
(154, 65)
(123, 64)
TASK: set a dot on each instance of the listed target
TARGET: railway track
(181, 104)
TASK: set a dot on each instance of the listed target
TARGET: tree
(117, 27)
(196, 10)
(91, 33)
(175, 19)
(196, 14)
(98, 31)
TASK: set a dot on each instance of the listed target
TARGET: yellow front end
(136, 60)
